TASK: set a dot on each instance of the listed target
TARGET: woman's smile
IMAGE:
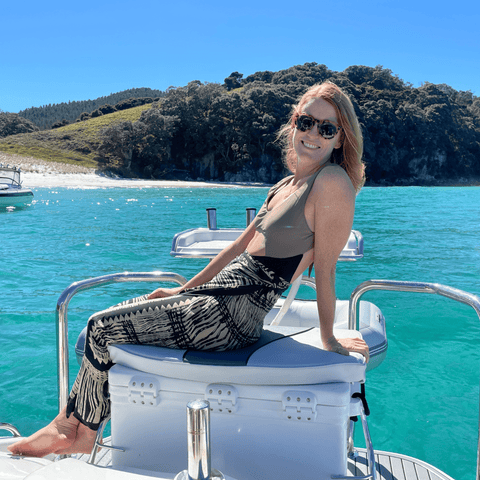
(309, 145)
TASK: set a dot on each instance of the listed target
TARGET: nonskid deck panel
(389, 466)
(395, 466)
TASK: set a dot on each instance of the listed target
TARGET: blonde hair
(349, 155)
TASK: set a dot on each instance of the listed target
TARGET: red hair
(349, 155)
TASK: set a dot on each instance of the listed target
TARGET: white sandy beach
(40, 173)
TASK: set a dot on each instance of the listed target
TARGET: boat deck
(394, 466)
(389, 466)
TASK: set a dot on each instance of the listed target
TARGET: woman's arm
(334, 206)
(215, 266)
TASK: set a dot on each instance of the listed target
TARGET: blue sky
(54, 52)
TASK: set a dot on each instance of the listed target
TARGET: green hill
(46, 116)
(76, 143)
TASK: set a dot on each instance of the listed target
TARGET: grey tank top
(284, 228)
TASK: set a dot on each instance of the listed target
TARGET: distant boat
(12, 194)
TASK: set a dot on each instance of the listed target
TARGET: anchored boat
(12, 194)
(283, 408)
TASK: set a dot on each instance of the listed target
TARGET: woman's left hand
(345, 345)
(165, 292)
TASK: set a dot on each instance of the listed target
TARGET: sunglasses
(325, 128)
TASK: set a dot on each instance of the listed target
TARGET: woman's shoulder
(333, 173)
(333, 180)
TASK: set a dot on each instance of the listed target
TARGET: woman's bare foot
(59, 435)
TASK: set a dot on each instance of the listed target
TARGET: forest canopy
(228, 132)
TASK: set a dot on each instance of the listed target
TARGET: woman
(306, 219)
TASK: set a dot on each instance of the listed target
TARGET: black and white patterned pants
(226, 313)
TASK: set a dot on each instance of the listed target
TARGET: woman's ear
(339, 142)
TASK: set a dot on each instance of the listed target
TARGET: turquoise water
(423, 398)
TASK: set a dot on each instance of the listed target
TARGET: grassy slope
(75, 143)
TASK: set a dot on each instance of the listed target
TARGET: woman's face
(311, 148)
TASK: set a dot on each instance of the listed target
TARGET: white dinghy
(281, 409)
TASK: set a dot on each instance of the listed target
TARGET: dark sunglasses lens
(327, 130)
(304, 123)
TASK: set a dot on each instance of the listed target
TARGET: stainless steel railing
(418, 287)
(371, 472)
(10, 428)
(62, 317)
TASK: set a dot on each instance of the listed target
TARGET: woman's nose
(313, 132)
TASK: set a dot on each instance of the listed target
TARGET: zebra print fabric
(224, 314)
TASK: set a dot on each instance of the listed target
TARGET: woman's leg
(132, 322)
(161, 323)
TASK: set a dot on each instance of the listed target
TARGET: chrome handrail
(62, 316)
(371, 473)
(98, 444)
(309, 282)
(417, 287)
(10, 428)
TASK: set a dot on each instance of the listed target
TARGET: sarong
(225, 313)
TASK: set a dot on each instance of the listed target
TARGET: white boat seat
(208, 243)
(282, 356)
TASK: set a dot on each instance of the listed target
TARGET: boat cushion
(282, 356)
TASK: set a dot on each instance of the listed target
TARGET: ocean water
(424, 398)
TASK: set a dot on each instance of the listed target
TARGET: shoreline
(97, 180)
(38, 173)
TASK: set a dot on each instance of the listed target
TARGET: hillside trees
(106, 109)
(13, 124)
(217, 134)
(420, 134)
(154, 147)
(234, 80)
(47, 115)
(411, 135)
(266, 109)
(141, 148)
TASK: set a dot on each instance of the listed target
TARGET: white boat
(281, 409)
(12, 193)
